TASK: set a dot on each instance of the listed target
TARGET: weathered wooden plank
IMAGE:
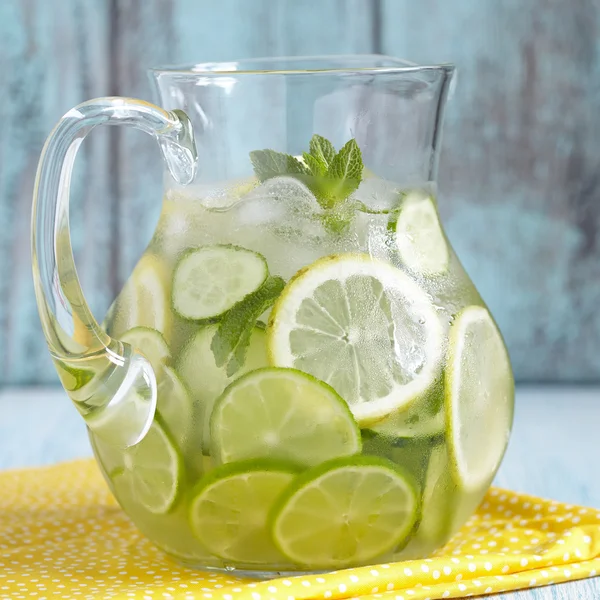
(519, 170)
(52, 56)
(186, 31)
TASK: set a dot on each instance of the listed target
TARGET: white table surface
(554, 451)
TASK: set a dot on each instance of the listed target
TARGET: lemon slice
(144, 300)
(419, 236)
(345, 512)
(479, 397)
(362, 326)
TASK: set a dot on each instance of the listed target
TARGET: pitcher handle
(111, 384)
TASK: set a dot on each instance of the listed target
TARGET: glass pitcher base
(198, 564)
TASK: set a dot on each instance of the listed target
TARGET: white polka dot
(472, 567)
(524, 562)
(487, 590)
(425, 568)
(342, 587)
(327, 594)
(567, 573)
(462, 587)
(353, 579)
(447, 570)
(390, 586)
(436, 574)
(305, 583)
(272, 589)
(286, 582)
(487, 566)
(374, 573)
(566, 556)
(408, 572)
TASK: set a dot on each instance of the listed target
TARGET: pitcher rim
(232, 68)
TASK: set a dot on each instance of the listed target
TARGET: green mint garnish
(322, 149)
(331, 176)
(232, 337)
(268, 163)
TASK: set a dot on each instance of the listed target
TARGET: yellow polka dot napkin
(63, 536)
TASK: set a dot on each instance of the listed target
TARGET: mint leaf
(322, 149)
(347, 167)
(268, 163)
(232, 337)
(315, 166)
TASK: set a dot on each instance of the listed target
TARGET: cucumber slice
(210, 280)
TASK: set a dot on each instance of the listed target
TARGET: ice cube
(378, 194)
(277, 200)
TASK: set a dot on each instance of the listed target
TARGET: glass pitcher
(298, 374)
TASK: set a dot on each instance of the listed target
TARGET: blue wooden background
(519, 173)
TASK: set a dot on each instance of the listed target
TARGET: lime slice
(144, 300)
(229, 510)
(208, 281)
(151, 344)
(151, 472)
(283, 414)
(424, 417)
(479, 397)
(419, 236)
(205, 381)
(439, 498)
(345, 512)
(175, 407)
(362, 326)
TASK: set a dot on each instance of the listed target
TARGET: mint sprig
(331, 176)
(230, 342)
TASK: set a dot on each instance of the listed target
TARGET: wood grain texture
(520, 190)
(52, 56)
(186, 31)
(519, 174)
(553, 451)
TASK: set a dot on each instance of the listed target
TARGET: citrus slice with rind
(151, 343)
(479, 397)
(419, 236)
(144, 299)
(205, 380)
(362, 326)
(230, 506)
(151, 471)
(345, 512)
(283, 414)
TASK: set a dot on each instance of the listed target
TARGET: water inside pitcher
(330, 389)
